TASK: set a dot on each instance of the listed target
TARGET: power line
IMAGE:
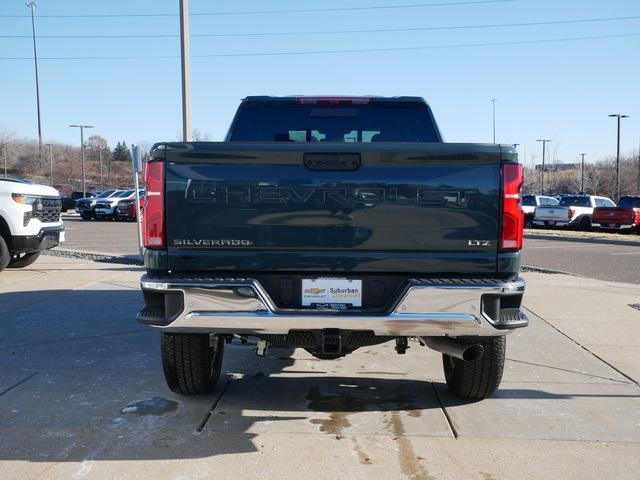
(325, 32)
(322, 52)
(268, 12)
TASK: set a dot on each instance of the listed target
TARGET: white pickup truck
(29, 222)
(572, 211)
(531, 202)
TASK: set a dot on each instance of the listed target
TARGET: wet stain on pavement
(340, 405)
(153, 406)
(409, 462)
(363, 457)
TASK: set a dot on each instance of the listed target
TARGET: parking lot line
(625, 253)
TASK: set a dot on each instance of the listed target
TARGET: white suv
(29, 222)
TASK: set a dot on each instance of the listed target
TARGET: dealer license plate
(331, 293)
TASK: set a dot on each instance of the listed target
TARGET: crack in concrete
(6, 390)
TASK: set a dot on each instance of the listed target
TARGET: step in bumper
(427, 307)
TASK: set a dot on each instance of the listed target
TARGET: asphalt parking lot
(82, 394)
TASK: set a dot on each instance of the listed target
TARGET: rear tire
(481, 378)
(585, 224)
(5, 256)
(24, 261)
(191, 365)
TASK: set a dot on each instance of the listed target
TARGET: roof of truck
(332, 99)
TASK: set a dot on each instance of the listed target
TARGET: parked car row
(110, 205)
(583, 212)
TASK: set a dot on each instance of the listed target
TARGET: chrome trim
(243, 306)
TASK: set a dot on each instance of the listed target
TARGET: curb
(94, 257)
(601, 240)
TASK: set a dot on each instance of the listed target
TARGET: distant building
(557, 167)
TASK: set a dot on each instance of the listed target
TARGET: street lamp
(582, 176)
(544, 144)
(50, 162)
(618, 116)
(84, 181)
(32, 6)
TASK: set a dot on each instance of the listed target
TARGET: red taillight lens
(572, 212)
(153, 218)
(512, 215)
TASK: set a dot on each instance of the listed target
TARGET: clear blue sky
(562, 91)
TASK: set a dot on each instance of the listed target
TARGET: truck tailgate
(555, 213)
(339, 207)
(614, 215)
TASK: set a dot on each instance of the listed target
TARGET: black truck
(329, 224)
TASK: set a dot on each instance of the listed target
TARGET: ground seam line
(214, 406)
(454, 432)
(18, 384)
(585, 348)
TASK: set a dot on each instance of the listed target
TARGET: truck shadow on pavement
(81, 381)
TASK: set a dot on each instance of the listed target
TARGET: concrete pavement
(82, 394)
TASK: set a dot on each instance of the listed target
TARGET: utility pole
(186, 70)
(493, 108)
(544, 144)
(582, 176)
(618, 116)
(32, 6)
(50, 163)
(84, 179)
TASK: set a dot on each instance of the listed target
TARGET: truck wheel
(24, 261)
(480, 378)
(191, 365)
(585, 224)
(5, 256)
(528, 221)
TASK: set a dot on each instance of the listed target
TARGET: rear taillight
(153, 218)
(512, 214)
(571, 212)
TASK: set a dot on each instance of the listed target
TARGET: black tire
(528, 221)
(23, 261)
(191, 366)
(585, 224)
(85, 216)
(480, 378)
(5, 256)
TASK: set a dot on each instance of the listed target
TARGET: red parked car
(626, 216)
(126, 209)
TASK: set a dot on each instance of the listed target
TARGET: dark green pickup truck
(329, 224)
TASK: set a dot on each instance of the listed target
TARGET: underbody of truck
(332, 246)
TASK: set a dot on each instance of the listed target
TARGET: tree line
(105, 167)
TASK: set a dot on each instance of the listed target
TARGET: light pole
(186, 70)
(544, 144)
(32, 6)
(618, 116)
(582, 176)
(493, 108)
(84, 180)
(50, 162)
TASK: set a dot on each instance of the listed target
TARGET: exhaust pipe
(454, 348)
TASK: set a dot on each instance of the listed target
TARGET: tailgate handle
(332, 161)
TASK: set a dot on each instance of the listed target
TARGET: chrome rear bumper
(242, 306)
